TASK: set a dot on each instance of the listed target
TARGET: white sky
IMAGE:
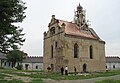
(104, 16)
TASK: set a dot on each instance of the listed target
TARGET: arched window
(36, 67)
(51, 51)
(113, 66)
(5, 64)
(56, 44)
(76, 50)
(91, 52)
(106, 66)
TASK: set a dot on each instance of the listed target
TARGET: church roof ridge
(78, 27)
(73, 29)
(65, 21)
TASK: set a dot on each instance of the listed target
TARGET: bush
(1, 67)
(19, 67)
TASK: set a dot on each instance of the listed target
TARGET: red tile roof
(73, 29)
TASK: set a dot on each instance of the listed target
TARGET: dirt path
(23, 78)
(93, 80)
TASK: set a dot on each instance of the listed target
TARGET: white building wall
(32, 66)
(110, 66)
(0, 62)
(7, 64)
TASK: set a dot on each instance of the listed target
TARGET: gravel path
(92, 80)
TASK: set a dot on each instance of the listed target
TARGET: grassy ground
(109, 73)
(109, 81)
(11, 81)
(38, 76)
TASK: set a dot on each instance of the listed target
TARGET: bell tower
(80, 16)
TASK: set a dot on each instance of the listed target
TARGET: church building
(73, 44)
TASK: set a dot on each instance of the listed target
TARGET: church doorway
(84, 67)
(52, 67)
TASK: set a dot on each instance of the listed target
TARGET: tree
(16, 56)
(11, 36)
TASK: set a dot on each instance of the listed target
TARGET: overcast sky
(104, 17)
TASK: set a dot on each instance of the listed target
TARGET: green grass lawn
(58, 76)
(37, 76)
(11, 81)
(109, 73)
(109, 81)
(2, 76)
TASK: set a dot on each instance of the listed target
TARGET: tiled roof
(2, 56)
(73, 29)
(33, 60)
(112, 59)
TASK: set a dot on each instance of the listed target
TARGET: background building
(3, 60)
(33, 63)
(112, 63)
(73, 44)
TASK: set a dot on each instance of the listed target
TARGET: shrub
(1, 67)
(19, 67)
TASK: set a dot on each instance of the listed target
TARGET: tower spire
(80, 16)
(79, 8)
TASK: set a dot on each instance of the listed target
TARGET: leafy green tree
(11, 36)
(16, 56)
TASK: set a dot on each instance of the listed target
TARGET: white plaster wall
(0, 62)
(110, 66)
(7, 64)
(32, 66)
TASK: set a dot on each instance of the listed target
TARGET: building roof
(74, 29)
(2, 56)
(112, 59)
(33, 60)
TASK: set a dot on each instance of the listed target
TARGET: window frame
(51, 51)
(91, 51)
(36, 67)
(113, 66)
(56, 44)
(76, 51)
